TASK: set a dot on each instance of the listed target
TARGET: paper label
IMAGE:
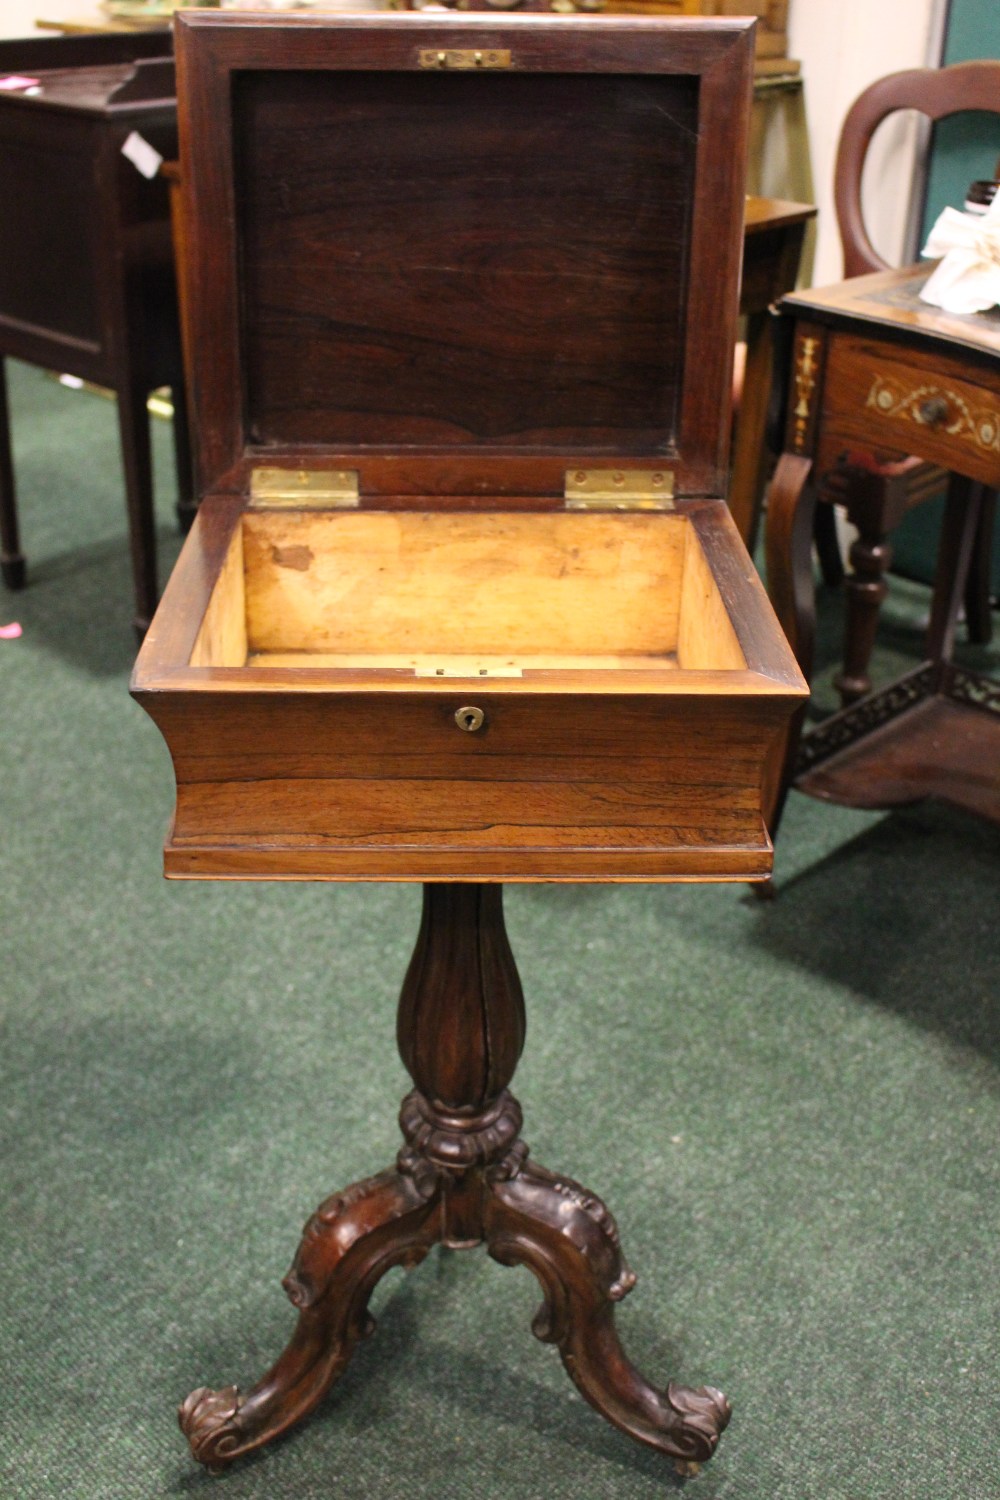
(144, 157)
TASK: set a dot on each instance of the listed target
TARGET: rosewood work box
(463, 599)
(463, 602)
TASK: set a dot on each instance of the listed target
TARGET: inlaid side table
(875, 374)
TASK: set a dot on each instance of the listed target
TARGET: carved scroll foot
(569, 1239)
(350, 1242)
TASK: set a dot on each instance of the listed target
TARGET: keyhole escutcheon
(470, 719)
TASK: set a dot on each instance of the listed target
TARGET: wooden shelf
(913, 740)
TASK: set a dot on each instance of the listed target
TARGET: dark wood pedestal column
(462, 1178)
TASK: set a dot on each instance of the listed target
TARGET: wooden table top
(95, 22)
(891, 300)
(775, 213)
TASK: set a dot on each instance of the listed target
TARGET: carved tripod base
(462, 1179)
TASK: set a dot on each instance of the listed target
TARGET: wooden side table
(86, 268)
(876, 374)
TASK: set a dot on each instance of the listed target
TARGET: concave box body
(462, 294)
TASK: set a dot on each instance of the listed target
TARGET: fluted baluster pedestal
(462, 1178)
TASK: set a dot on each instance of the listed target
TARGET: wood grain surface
(418, 267)
(491, 285)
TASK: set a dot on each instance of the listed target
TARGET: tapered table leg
(462, 1177)
(12, 563)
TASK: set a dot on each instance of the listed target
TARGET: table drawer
(916, 403)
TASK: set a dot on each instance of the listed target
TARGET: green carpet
(792, 1109)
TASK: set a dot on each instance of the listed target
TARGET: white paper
(968, 278)
(144, 157)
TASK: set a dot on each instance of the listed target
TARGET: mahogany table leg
(961, 532)
(978, 605)
(461, 1178)
(870, 558)
(187, 505)
(137, 466)
(12, 563)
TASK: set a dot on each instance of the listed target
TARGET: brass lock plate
(466, 666)
(458, 58)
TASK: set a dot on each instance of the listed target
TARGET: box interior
(466, 594)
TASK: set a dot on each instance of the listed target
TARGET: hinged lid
(458, 279)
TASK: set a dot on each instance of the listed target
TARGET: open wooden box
(463, 600)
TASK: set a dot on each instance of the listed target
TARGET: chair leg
(978, 583)
(133, 424)
(12, 562)
(870, 557)
(831, 564)
(960, 533)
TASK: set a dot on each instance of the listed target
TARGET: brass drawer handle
(933, 412)
(470, 719)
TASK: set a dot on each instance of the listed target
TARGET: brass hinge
(619, 489)
(310, 489)
(464, 57)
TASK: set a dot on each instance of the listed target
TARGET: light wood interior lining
(706, 638)
(508, 584)
(486, 666)
(222, 638)
(419, 590)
